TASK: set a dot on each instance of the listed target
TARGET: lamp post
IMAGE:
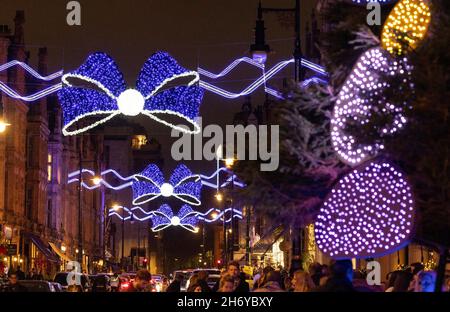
(97, 180)
(260, 49)
(80, 213)
(229, 162)
(117, 207)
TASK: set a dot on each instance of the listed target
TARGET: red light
(145, 260)
(219, 261)
(124, 285)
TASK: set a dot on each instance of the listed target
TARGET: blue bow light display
(104, 94)
(183, 185)
(164, 217)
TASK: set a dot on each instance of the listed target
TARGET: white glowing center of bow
(131, 102)
(166, 190)
(175, 221)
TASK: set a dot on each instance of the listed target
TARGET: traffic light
(219, 262)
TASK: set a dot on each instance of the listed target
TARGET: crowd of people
(339, 276)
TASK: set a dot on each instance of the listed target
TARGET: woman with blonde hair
(302, 281)
(226, 283)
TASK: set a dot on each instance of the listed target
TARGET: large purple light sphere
(368, 214)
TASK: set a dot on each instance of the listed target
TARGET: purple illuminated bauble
(369, 213)
(361, 98)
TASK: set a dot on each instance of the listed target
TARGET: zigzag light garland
(108, 103)
(261, 81)
(36, 96)
(182, 181)
(212, 215)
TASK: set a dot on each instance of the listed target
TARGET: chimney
(19, 35)
(43, 60)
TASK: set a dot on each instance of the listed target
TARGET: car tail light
(125, 285)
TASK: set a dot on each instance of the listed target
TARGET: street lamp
(96, 180)
(260, 49)
(229, 162)
(3, 125)
(219, 197)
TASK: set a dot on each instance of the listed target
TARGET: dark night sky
(206, 33)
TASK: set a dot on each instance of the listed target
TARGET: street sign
(12, 249)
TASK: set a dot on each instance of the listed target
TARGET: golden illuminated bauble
(406, 26)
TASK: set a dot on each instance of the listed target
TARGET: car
(183, 277)
(39, 286)
(79, 279)
(157, 281)
(100, 283)
(58, 287)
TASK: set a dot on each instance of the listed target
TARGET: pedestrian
(203, 281)
(175, 286)
(426, 281)
(239, 281)
(193, 281)
(341, 277)
(20, 274)
(141, 282)
(391, 280)
(226, 283)
(402, 281)
(13, 285)
(240, 285)
(302, 282)
(272, 284)
(39, 276)
(288, 284)
(165, 284)
(32, 274)
(315, 271)
(262, 280)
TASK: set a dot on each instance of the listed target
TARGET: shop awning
(59, 252)
(47, 252)
(266, 242)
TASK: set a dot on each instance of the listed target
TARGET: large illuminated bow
(164, 217)
(150, 185)
(107, 95)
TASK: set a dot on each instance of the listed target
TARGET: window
(49, 167)
(138, 141)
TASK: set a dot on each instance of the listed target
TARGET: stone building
(38, 209)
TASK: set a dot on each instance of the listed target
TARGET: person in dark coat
(20, 274)
(175, 286)
(13, 285)
(340, 279)
(240, 284)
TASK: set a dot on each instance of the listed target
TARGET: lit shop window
(49, 167)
